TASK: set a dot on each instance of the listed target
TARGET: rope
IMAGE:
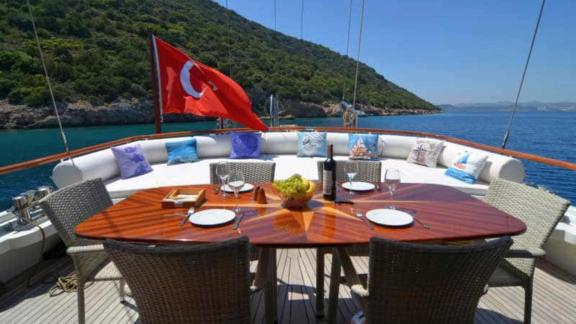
(40, 258)
(514, 108)
(358, 59)
(62, 134)
(347, 45)
(275, 21)
(302, 19)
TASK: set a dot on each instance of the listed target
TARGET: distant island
(507, 106)
(97, 58)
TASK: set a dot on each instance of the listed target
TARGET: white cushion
(414, 173)
(279, 143)
(100, 164)
(395, 146)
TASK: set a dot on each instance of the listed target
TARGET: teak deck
(554, 297)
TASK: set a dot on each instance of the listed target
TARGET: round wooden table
(443, 214)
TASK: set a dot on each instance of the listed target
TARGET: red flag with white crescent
(190, 87)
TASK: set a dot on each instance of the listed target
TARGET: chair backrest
(187, 284)
(420, 283)
(538, 209)
(71, 205)
(368, 171)
(254, 172)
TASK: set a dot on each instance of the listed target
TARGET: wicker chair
(541, 211)
(254, 172)
(67, 208)
(187, 284)
(420, 283)
(368, 171)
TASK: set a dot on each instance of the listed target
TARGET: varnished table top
(451, 214)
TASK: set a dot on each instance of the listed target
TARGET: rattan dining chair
(421, 283)
(368, 171)
(187, 284)
(67, 208)
(540, 211)
(254, 172)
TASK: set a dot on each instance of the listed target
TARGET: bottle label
(327, 183)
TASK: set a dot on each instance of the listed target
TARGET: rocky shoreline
(137, 112)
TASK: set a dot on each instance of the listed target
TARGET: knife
(190, 213)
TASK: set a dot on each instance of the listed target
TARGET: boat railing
(93, 148)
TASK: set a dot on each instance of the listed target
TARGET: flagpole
(155, 83)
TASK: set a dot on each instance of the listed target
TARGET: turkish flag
(190, 87)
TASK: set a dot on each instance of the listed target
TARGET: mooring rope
(515, 106)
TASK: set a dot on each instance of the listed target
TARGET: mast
(154, 75)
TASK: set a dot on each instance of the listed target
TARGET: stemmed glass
(392, 180)
(351, 170)
(223, 172)
(236, 182)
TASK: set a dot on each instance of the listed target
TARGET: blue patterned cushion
(131, 160)
(363, 146)
(312, 144)
(182, 152)
(245, 145)
(467, 166)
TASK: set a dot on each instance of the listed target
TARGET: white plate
(212, 217)
(389, 217)
(358, 186)
(245, 188)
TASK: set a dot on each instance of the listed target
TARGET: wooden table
(450, 214)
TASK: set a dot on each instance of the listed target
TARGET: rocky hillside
(97, 57)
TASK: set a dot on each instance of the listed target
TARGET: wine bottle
(329, 176)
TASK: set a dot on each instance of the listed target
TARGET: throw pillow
(425, 152)
(363, 146)
(131, 160)
(467, 166)
(182, 152)
(245, 145)
(312, 144)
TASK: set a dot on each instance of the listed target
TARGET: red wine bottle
(329, 176)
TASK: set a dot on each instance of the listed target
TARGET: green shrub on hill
(96, 50)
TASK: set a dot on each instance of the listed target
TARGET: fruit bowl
(295, 191)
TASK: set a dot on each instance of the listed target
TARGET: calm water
(542, 133)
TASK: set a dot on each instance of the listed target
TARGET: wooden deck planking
(554, 297)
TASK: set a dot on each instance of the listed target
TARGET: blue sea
(550, 134)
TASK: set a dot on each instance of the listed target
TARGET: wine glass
(351, 170)
(392, 180)
(223, 172)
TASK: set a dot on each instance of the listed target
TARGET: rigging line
(347, 45)
(229, 40)
(358, 61)
(62, 133)
(515, 106)
(302, 19)
(275, 24)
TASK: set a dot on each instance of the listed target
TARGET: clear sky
(446, 51)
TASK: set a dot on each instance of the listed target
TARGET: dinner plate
(389, 217)
(358, 186)
(212, 217)
(245, 188)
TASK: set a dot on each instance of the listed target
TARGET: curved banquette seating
(280, 147)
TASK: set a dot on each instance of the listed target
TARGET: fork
(236, 225)
(185, 219)
(365, 220)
